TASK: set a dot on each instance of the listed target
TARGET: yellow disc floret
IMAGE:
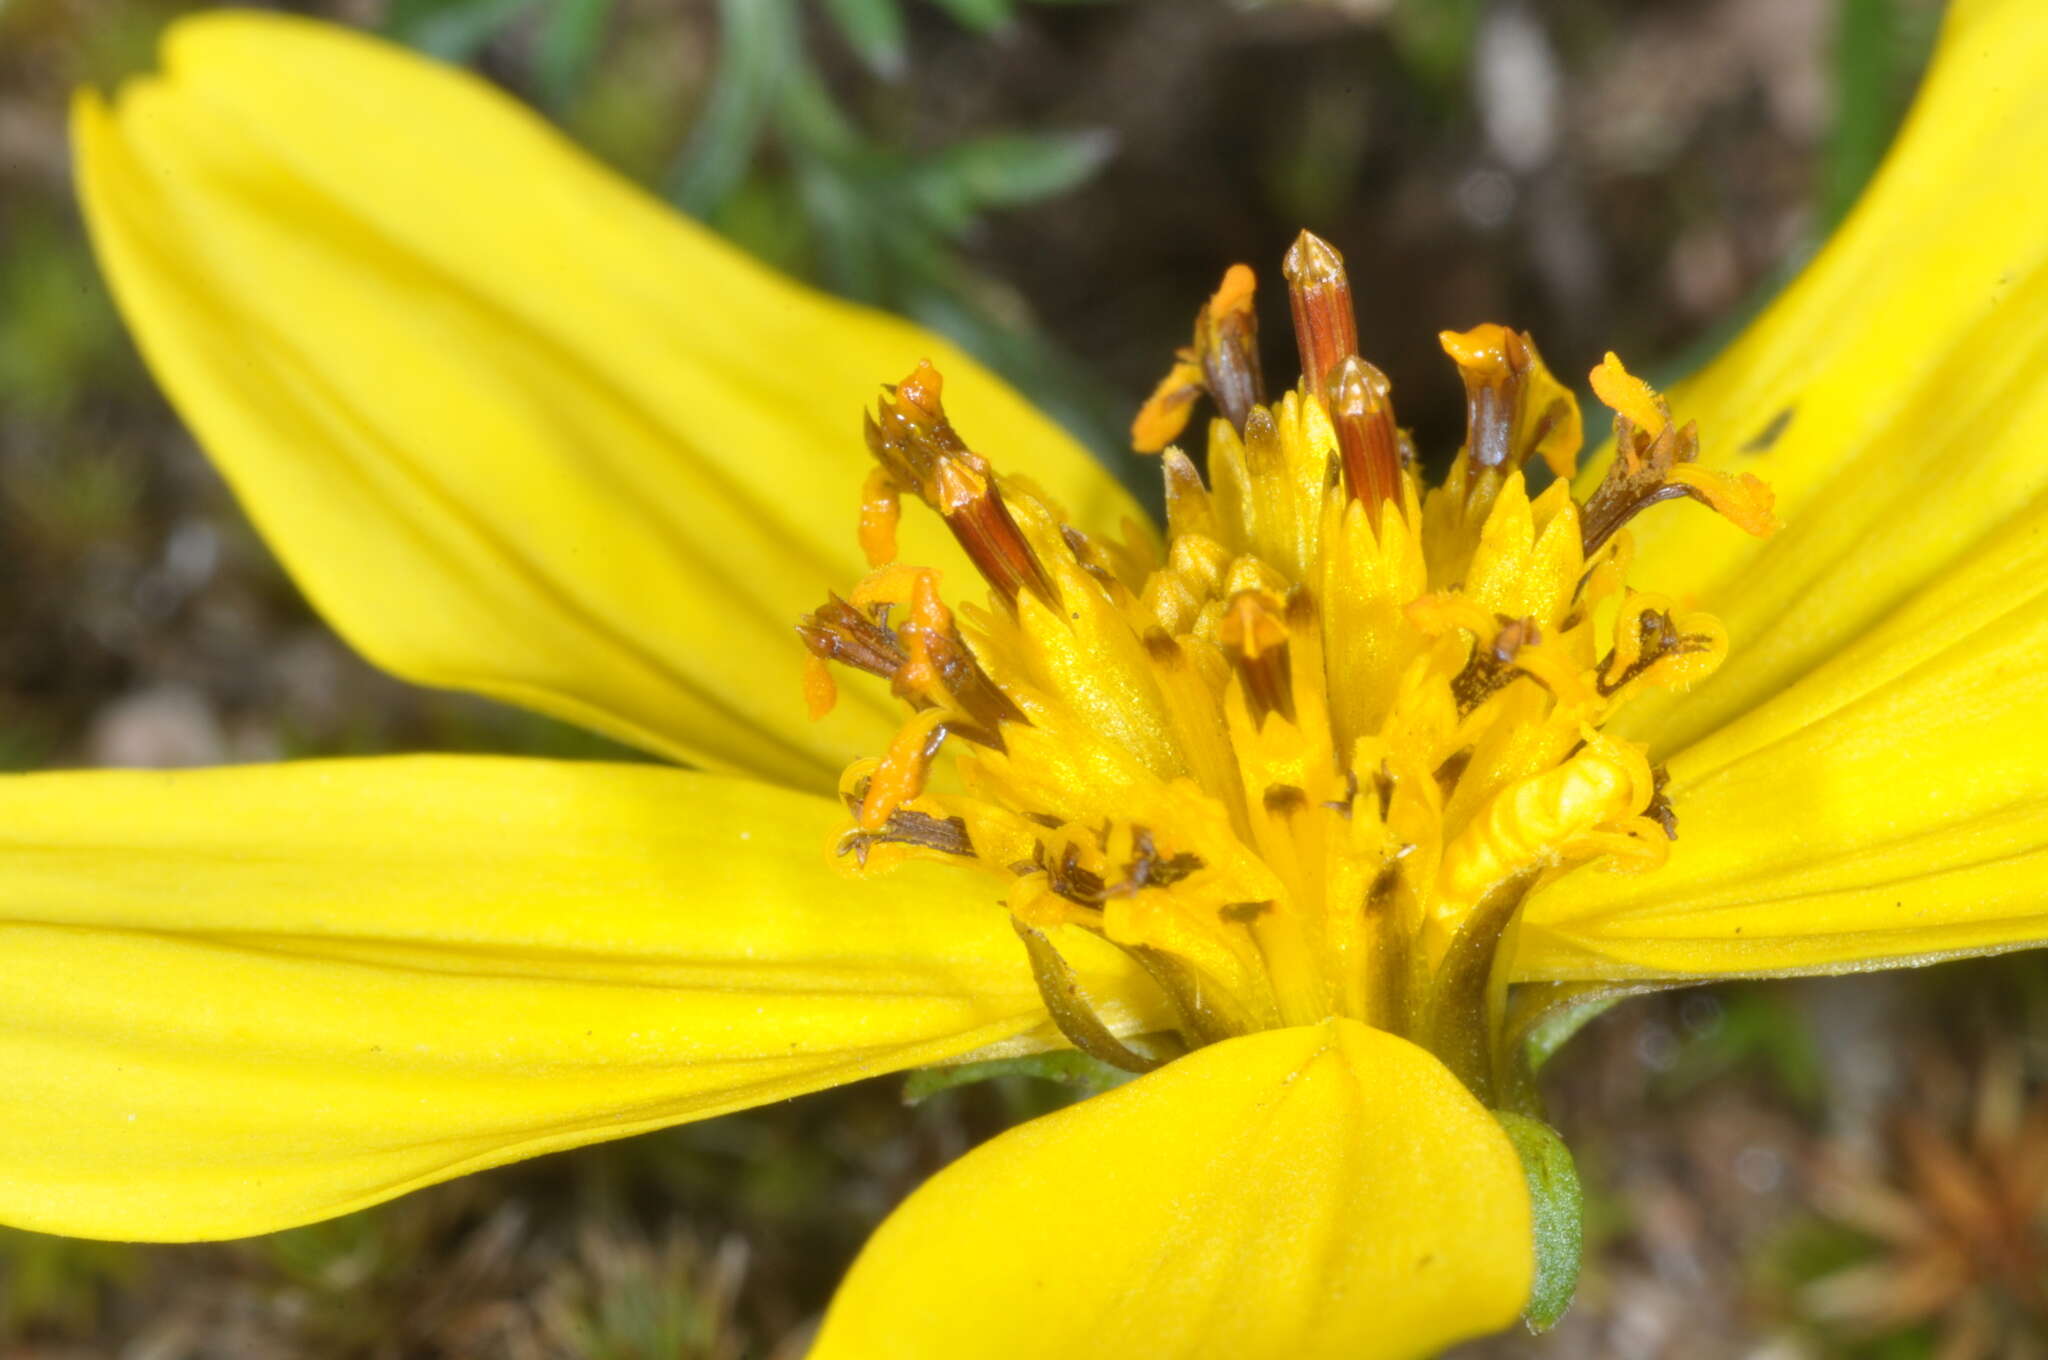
(1310, 759)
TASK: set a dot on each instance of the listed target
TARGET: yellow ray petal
(235, 1000)
(1892, 398)
(511, 424)
(1890, 807)
(1324, 1191)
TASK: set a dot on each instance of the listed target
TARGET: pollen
(1307, 757)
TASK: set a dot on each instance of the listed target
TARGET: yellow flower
(515, 429)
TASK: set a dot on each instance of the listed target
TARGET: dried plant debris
(1953, 1213)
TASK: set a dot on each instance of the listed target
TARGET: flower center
(1310, 757)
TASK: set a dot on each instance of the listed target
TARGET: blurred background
(1852, 1167)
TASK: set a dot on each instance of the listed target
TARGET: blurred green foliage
(1880, 47)
(58, 334)
(1435, 40)
(1756, 1030)
(636, 1299)
(774, 160)
(57, 1282)
(778, 165)
(1020, 1080)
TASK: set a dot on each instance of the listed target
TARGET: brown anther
(1227, 346)
(836, 631)
(1661, 466)
(926, 661)
(1605, 517)
(939, 665)
(969, 688)
(982, 525)
(1492, 361)
(1254, 635)
(1643, 474)
(947, 835)
(1660, 810)
(1361, 408)
(1066, 876)
(1657, 638)
(1319, 295)
(1223, 361)
(1149, 869)
(1514, 409)
(1492, 667)
(917, 446)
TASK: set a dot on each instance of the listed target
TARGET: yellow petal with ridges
(1892, 398)
(513, 426)
(1890, 807)
(1326, 1191)
(1864, 782)
(241, 999)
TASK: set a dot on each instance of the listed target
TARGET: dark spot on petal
(1283, 800)
(1773, 430)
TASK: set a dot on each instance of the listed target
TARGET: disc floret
(1309, 756)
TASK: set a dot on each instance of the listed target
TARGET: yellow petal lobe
(513, 425)
(1886, 809)
(1862, 784)
(1891, 397)
(242, 999)
(1324, 1191)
